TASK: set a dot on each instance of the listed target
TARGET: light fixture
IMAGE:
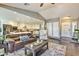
(26, 4)
(68, 17)
(43, 4)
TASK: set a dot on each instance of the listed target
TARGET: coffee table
(36, 48)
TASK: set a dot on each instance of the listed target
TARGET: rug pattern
(54, 50)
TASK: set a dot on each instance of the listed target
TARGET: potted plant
(2, 51)
(2, 38)
(77, 34)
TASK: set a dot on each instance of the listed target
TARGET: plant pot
(78, 40)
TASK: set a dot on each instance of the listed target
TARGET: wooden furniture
(36, 48)
(12, 46)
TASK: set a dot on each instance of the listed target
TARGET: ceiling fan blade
(41, 4)
(26, 4)
(52, 3)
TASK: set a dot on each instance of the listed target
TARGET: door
(66, 29)
(56, 30)
(74, 26)
(49, 29)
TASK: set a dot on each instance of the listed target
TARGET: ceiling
(10, 16)
(61, 10)
(31, 6)
(49, 11)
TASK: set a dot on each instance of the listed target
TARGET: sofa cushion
(24, 38)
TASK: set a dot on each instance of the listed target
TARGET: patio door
(49, 30)
(56, 30)
(66, 29)
(53, 29)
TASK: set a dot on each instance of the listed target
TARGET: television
(14, 27)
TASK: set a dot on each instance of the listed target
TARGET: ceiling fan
(43, 4)
(40, 4)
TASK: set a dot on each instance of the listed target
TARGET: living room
(39, 29)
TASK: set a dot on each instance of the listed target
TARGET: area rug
(19, 52)
(54, 50)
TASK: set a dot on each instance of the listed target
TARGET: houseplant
(2, 38)
(77, 34)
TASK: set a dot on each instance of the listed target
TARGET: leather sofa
(18, 44)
